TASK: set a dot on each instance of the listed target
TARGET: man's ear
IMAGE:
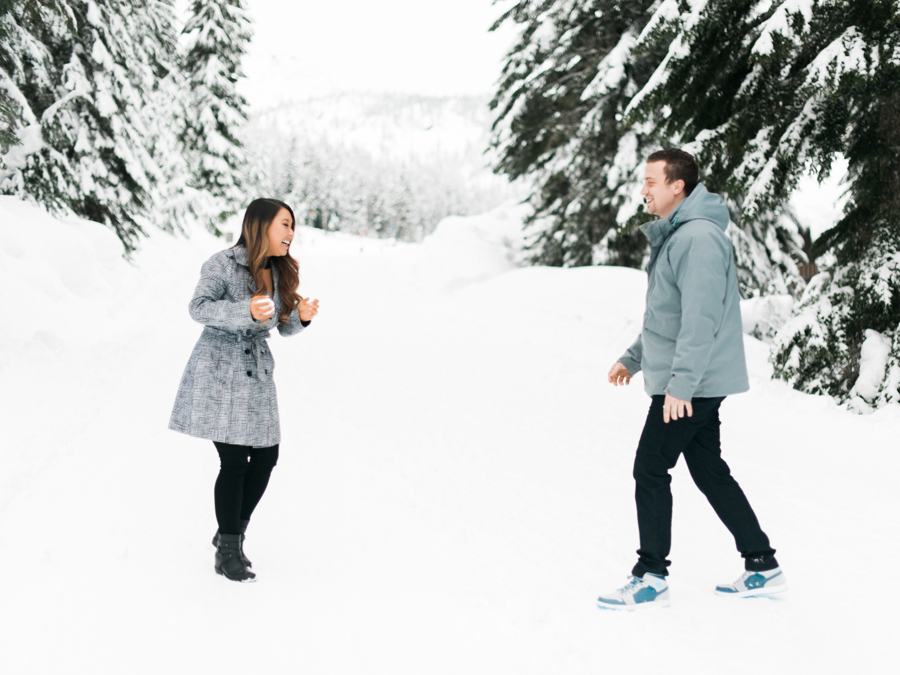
(678, 186)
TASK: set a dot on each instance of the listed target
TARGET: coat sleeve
(294, 324)
(699, 261)
(631, 359)
(208, 305)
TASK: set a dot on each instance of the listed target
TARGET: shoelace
(631, 587)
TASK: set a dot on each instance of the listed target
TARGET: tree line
(115, 111)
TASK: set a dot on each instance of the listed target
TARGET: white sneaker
(647, 591)
(753, 584)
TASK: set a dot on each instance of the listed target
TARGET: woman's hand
(261, 307)
(307, 309)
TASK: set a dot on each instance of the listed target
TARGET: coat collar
(240, 255)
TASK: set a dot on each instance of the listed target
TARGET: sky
(303, 48)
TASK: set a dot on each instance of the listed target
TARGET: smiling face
(661, 197)
(280, 233)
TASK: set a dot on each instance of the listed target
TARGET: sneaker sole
(754, 592)
(632, 608)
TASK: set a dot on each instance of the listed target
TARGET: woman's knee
(232, 459)
(265, 457)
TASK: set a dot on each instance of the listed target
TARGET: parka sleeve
(700, 264)
(631, 359)
(208, 305)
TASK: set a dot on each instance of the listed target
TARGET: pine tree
(588, 93)
(217, 34)
(855, 110)
(563, 91)
(9, 111)
(90, 80)
(761, 91)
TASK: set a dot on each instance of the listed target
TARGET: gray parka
(692, 343)
(227, 393)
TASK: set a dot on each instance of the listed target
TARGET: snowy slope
(454, 488)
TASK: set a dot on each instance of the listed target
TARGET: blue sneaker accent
(647, 594)
(647, 591)
(752, 584)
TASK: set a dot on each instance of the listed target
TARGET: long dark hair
(254, 237)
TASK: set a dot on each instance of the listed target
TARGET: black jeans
(697, 438)
(243, 477)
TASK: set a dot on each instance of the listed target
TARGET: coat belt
(258, 347)
(256, 343)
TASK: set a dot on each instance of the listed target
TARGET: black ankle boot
(228, 558)
(243, 528)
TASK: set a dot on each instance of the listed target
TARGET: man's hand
(619, 374)
(674, 409)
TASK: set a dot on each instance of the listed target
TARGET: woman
(227, 394)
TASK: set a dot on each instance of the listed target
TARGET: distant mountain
(386, 164)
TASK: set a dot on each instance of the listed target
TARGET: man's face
(661, 197)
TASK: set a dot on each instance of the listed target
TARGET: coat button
(248, 331)
(246, 351)
(249, 373)
(267, 371)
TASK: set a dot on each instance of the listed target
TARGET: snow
(873, 359)
(30, 141)
(820, 205)
(611, 69)
(454, 488)
(845, 54)
(762, 316)
(780, 22)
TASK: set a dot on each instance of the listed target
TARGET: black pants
(696, 437)
(243, 477)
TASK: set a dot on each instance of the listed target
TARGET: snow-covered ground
(454, 488)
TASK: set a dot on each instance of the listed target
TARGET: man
(691, 350)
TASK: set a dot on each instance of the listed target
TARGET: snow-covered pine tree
(85, 80)
(9, 111)
(560, 103)
(766, 91)
(761, 91)
(33, 97)
(216, 37)
(593, 87)
(157, 46)
(845, 338)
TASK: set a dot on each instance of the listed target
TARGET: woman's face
(280, 233)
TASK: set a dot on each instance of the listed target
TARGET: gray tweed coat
(227, 393)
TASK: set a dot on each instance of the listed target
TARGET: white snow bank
(454, 483)
(876, 349)
(763, 316)
(468, 249)
(60, 271)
